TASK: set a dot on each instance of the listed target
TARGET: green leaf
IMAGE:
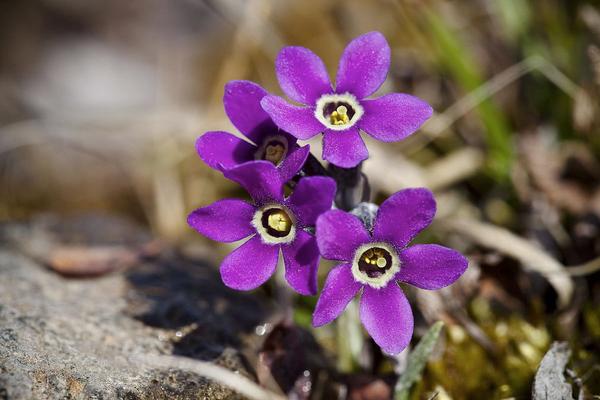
(417, 360)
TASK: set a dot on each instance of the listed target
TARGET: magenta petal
(293, 162)
(364, 65)
(430, 266)
(403, 215)
(250, 265)
(340, 287)
(261, 180)
(345, 149)
(299, 121)
(312, 197)
(223, 149)
(242, 106)
(339, 234)
(302, 74)
(301, 259)
(387, 316)
(394, 116)
(225, 220)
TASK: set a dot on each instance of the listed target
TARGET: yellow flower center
(339, 116)
(279, 221)
(375, 264)
(275, 224)
(273, 148)
(274, 153)
(338, 111)
(375, 257)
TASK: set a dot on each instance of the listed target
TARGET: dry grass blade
(384, 166)
(587, 268)
(529, 255)
(389, 171)
(454, 167)
(254, 29)
(594, 55)
(591, 17)
(211, 371)
(440, 122)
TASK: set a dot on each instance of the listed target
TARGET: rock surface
(550, 382)
(74, 338)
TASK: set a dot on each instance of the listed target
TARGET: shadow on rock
(189, 297)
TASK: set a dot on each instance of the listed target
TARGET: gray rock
(550, 382)
(73, 339)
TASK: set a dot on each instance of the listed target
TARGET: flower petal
(250, 265)
(339, 234)
(430, 266)
(222, 149)
(261, 180)
(242, 106)
(299, 121)
(225, 220)
(403, 215)
(394, 116)
(387, 316)
(364, 65)
(312, 196)
(302, 74)
(293, 162)
(345, 149)
(301, 259)
(340, 287)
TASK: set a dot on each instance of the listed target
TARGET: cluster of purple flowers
(303, 226)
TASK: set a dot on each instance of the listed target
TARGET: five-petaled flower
(340, 113)
(275, 224)
(376, 261)
(222, 150)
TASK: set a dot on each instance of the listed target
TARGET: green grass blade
(417, 360)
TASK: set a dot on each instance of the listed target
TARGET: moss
(468, 371)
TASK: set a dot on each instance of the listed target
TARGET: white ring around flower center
(262, 152)
(383, 280)
(346, 98)
(266, 237)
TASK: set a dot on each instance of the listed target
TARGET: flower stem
(313, 167)
(350, 338)
(352, 186)
(283, 294)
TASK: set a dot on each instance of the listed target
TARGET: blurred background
(101, 102)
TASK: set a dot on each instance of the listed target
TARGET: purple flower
(340, 113)
(376, 261)
(222, 150)
(273, 223)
